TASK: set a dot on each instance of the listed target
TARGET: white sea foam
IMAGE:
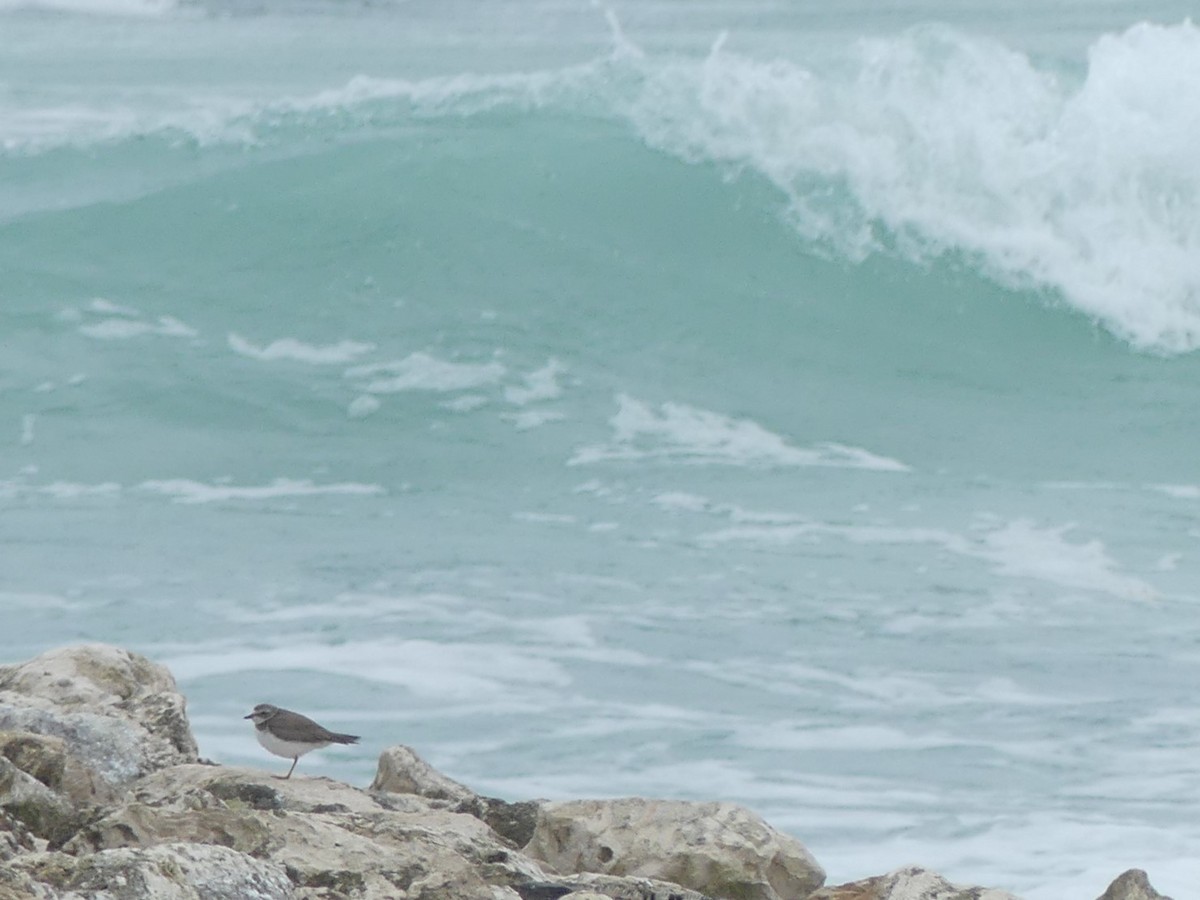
(927, 143)
(69, 490)
(428, 606)
(429, 669)
(1168, 562)
(191, 492)
(31, 600)
(550, 518)
(108, 308)
(104, 115)
(116, 8)
(122, 322)
(933, 142)
(465, 403)
(292, 350)
(1018, 549)
(57, 490)
(532, 418)
(117, 329)
(681, 501)
(362, 406)
(1022, 549)
(682, 433)
(1178, 491)
(424, 372)
(872, 738)
(539, 385)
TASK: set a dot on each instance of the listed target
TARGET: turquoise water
(759, 401)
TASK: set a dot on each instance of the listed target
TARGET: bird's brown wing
(291, 726)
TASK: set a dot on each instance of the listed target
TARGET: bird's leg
(295, 759)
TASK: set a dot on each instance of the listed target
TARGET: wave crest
(930, 144)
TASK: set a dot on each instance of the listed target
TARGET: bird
(291, 735)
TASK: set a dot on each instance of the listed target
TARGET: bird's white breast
(286, 749)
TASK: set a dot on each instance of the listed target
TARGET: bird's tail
(344, 738)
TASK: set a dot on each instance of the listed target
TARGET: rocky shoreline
(103, 795)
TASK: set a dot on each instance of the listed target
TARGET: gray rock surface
(117, 713)
(910, 883)
(164, 872)
(1133, 884)
(47, 759)
(718, 849)
(402, 771)
(43, 812)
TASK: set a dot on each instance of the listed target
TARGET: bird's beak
(251, 716)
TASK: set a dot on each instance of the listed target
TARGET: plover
(291, 735)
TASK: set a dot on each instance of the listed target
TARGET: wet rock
(718, 849)
(911, 883)
(1133, 884)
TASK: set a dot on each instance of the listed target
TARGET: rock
(15, 837)
(46, 758)
(137, 825)
(718, 849)
(911, 883)
(326, 836)
(402, 771)
(45, 813)
(1133, 884)
(116, 712)
(515, 822)
(18, 885)
(101, 798)
(612, 887)
(335, 840)
(164, 872)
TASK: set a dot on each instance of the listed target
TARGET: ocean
(786, 403)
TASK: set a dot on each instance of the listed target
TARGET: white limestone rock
(329, 838)
(117, 712)
(719, 849)
(1133, 884)
(39, 809)
(402, 771)
(910, 883)
(164, 872)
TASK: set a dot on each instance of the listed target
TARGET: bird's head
(262, 712)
